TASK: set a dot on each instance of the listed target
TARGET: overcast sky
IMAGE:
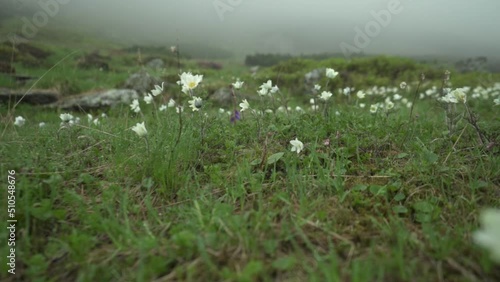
(418, 27)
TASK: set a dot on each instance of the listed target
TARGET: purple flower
(236, 116)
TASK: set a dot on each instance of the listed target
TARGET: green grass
(373, 197)
(387, 199)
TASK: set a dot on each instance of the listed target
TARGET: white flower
(263, 91)
(311, 101)
(360, 94)
(489, 236)
(163, 108)
(179, 109)
(190, 81)
(221, 111)
(317, 87)
(402, 85)
(148, 99)
(346, 91)
(397, 97)
(104, 115)
(89, 118)
(373, 108)
(173, 49)
(497, 102)
(244, 105)
(299, 109)
(268, 85)
(274, 89)
(325, 95)
(314, 107)
(459, 95)
(158, 89)
(362, 105)
(41, 124)
(195, 103)
(96, 121)
(268, 111)
(20, 121)
(66, 117)
(331, 73)
(135, 106)
(297, 145)
(238, 84)
(140, 129)
(171, 103)
(389, 105)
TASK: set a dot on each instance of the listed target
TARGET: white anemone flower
(331, 73)
(135, 106)
(148, 99)
(274, 89)
(190, 81)
(66, 117)
(325, 95)
(140, 129)
(163, 108)
(238, 84)
(489, 236)
(195, 103)
(244, 105)
(158, 90)
(20, 121)
(360, 94)
(171, 103)
(373, 108)
(263, 91)
(297, 145)
(317, 87)
(459, 95)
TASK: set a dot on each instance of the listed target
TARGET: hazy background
(424, 27)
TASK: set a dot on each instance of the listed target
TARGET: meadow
(380, 171)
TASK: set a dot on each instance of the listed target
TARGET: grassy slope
(387, 200)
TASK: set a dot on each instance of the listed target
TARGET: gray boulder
(314, 76)
(34, 96)
(142, 82)
(156, 64)
(222, 97)
(99, 99)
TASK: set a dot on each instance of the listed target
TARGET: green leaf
(255, 162)
(401, 155)
(284, 263)
(274, 158)
(399, 209)
(359, 187)
(399, 196)
(423, 206)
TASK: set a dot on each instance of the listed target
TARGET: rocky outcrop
(156, 64)
(34, 96)
(142, 82)
(98, 99)
(222, 97)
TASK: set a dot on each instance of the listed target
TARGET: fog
(423, 27)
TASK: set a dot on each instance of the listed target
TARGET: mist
(419, 28)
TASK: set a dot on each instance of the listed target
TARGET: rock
(210, 65)
(6, 67)
(94, 60)
(34, 96)
(156, 64)
(314, 76)
(98, 99)
(222, 97)
(142, 82)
